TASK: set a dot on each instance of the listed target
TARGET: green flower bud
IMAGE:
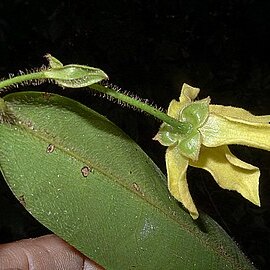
(73, 76)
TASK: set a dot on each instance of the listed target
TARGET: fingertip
(46, 252)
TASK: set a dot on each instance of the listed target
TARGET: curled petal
(174, 109)
(177, 183)
(238, 113)
(230, 172)
(219, 130)
(188, 93)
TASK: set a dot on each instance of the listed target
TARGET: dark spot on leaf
(50, 148)
(22, 201)
(85, 171)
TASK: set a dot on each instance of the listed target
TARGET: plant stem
(182, 127)
(22, 78)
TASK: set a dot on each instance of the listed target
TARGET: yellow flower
(205, 145)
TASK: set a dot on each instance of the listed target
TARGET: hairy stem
(182, 127)
(66, 75)
(22, 78)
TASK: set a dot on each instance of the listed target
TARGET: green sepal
(53, 62)
(190, 145)
(167, 135)
(196, 113)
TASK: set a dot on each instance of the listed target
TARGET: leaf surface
(89, 183)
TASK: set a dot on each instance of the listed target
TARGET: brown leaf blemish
(85, 171)
(50, 148)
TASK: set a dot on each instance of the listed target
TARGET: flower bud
(73, 76)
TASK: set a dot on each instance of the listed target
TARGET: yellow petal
(188, 93)
(238, 113)
(177, 183)
(219, 130)
(174, 109)
(230, 172)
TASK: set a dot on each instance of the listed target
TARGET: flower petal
(175, 108)
(219, 130)
(230, 172)
(177, 183)
(238, 113)
(188, 93)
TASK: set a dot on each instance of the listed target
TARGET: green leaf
(89, 183)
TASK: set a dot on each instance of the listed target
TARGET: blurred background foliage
(150, 48)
